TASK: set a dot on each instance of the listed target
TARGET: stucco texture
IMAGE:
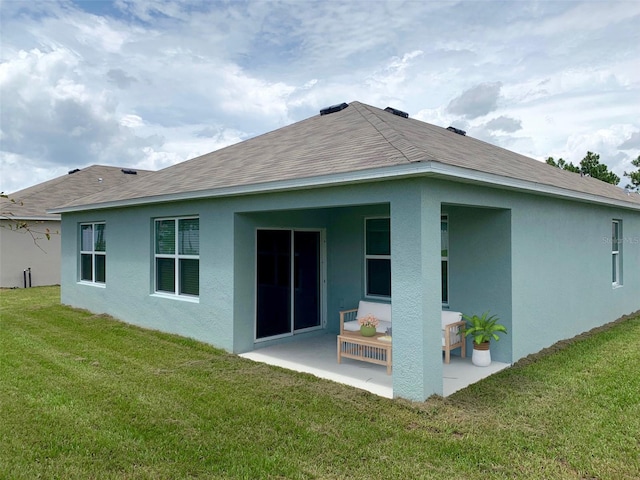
(542, 265)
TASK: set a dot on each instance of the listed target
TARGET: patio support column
(415, 293)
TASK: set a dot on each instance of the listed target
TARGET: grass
(84, 396)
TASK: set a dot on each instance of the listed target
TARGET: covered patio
(317, 355)
(295, 270)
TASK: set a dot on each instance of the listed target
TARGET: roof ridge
(406, 149)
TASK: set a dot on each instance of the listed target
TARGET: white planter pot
(481, 358)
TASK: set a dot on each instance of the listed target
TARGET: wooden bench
(351, 344)
(453, 334)
(367, 349)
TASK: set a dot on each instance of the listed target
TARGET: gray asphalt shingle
(358, 138)
(34, 201)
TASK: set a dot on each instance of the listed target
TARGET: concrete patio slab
(317, 355)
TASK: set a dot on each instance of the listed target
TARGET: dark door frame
(322, 284)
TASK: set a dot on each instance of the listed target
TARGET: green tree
(563, 165)
(634, 177)
(590, 165)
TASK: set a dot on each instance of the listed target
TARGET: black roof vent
(74, 171)
(333, 108)
(456, 130)
(126, 171)
(395, 111)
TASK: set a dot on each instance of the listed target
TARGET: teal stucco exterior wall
(562, 270)
(543, 265)
(480, 277)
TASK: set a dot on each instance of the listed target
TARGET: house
(267, 240)
(28, 258)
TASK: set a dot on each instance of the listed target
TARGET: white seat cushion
(447, 319)
(450, 317)
(382, 311)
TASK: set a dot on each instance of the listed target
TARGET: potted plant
(483, 328)
(368, 325)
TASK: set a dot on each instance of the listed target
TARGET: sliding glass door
(288, 282)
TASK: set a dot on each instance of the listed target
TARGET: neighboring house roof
(33, 202)
(358, 143)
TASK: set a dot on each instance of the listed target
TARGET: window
(93, 252)
(444, 240)
(177, 256)
(616, 252)
(378, 257)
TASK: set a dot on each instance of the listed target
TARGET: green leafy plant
(483, 328)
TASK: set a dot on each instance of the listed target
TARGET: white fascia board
(464, 174)
(10, 217)
(427, 168)
(369, 175)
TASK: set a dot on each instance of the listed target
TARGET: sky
(147, 84)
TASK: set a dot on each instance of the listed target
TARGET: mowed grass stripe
(85, 396)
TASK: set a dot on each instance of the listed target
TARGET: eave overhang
(415, 169)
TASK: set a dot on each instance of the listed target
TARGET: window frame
(176, 256)
(444, 218)
(368, 257)
(93, 253)
(616, 253)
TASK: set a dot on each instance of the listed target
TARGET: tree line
(590, 166)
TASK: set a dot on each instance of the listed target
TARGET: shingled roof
(356, 142)
(33, 202)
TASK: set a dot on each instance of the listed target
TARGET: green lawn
(84, 396)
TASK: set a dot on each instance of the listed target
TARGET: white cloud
(606, 143)
(131, 121)
(25, 171)
(240, 93)
(146, 83)
(54, 122)
(587, 17)
(476, 101)
(631, 142)
(120, 78)
(98, 34)
(504, 124)
(391, 80)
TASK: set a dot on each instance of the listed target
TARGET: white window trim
(176, 261)
(173, 296)
(445, 218)
(93, 254)
(616, 253)
(374, 257)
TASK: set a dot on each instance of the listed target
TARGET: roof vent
(395, 111)
(333, 108)
(126, 171)
(74, 171)
(456, 130)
